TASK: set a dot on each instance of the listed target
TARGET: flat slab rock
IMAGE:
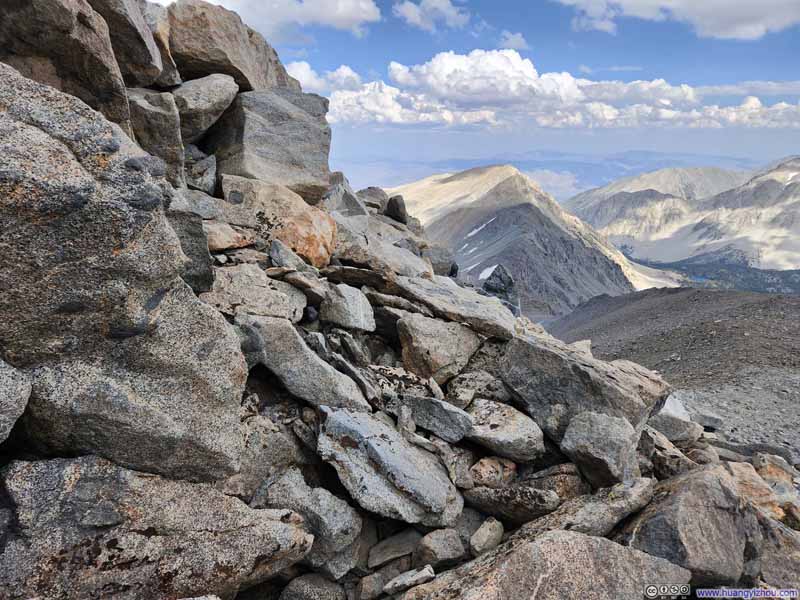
(386, 474)
(505, 430)
(91, 529)
(448, 301)
(556, 382)
(554, 566)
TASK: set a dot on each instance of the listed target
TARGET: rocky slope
(706, 215)
(224, 374)
(735, 354)
(497, 216)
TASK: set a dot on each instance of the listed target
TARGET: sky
(414, 84)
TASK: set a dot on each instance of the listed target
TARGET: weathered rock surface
(603, 447)
(665, 459)
(157, 127)
(222, 236)
(246, 289)
(334, 524)
(198, 273)
(117, 344)
(753, 489)
(88, 528)
(201, 170)
(488, 536)
(201, 103)
(347, 307)
(556, 565)
(681, 432)
(305, 375)
(696, 521)
(396, 209)
(313, 587)
(448, 301)
(394, 547)
(440, 418)
(134, 47)
(384, 473)
(505, 431)
(15, 389)
(157, 18)
(440, 549)
(462, 390)
(432, 348)
(65, 44)
(517, 503)
(206, 39)
(371, 586)
(277, 136)
(341, 200)
(565, 480)
(409, 579)
(556, 382)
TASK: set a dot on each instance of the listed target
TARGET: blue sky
(417, 83)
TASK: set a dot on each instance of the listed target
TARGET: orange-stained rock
(755, 490)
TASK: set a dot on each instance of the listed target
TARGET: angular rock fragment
(198, 273)
(408, 580)
(206, 39)
(371, 586)
(505, 431)
(134, 46)
(488, 536)
(384, 473)
(89, 528)
(565, 480)
(433, 348)
(347, 307)
(603, 447)
(556, 565)
(157, 18)
(246, 289)
(396, 209)
(493, 472)
(278, 137)
(66, 45)
(342, 200)
(448, 301)
(300, 369)
(157, 127)
(15, 389)
(441, 548)
(313, 587)
(95, 309)
(753, 489)
(476, 384)
(201, 103)
(440, 418)
(517, 503)
(696, 521)
(681, 432)
(394, 547)
(222, 236)
(556, 382)
(374, 197)
(666, 460)
(334, 524)
(201, 171)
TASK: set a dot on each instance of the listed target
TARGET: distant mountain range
(703, 216)
(498, 215)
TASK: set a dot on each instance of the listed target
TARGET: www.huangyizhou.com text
(746, 594)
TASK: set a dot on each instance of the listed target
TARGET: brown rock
(493, 472)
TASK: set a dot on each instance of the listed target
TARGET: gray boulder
(305, 375)
(565, 480)
(440, 549)
(517, 503)
(198, 272)
(448, 301)
(433, 348)
(15, 389)
(681, 432)
(347, 307)
(134, 46)
(94, 307)
(462, 390)
(341, 199)
(246, 290)
(442, 259)
(396, 209)
(65, 44)
(505, 431)
(384, 473)
(157, 18)
(697, 521)
(488, 536)
(88, 528)
(201, 170)
(665, 460)
(556, 382)
(276, 136)
(396, 546)
(157, 127)
(313, 587)
(201, 103)
(374, 197)
(434, 415)
(371, 586)
(334, 524)
(553, 566)
(603, 447)
(206, 39)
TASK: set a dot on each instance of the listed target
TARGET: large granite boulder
(555, 382)
(138, 56)
(277, 136)
(279, 347)
(554, 566)
(699, 522)
(433, 348)
(201, 103)
(386, 474)
(276, 212)
(157, 18)
(65, 44)
(126, 362)
(206, 39)
(15, 389)
(90, 529)
(157, 127)
(505, 430)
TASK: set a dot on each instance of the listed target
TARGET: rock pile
(224, 372)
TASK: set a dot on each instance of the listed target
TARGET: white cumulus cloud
(343, 78)
(725, 19)
(513, 41)
(427, 14)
